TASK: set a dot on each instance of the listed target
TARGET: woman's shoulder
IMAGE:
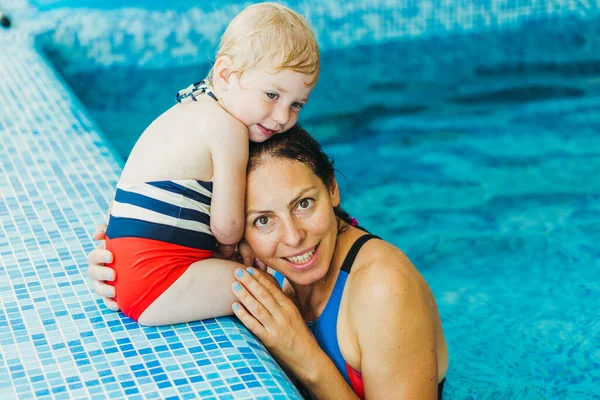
(378, 258)
(382, 270)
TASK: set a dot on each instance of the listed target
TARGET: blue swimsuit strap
(195, 89)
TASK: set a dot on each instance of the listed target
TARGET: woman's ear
(334, 192)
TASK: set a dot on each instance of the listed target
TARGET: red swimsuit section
(356, 381)
(145, 268)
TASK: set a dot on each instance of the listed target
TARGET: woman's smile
(303, 260)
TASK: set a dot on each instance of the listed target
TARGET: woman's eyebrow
(290, 204)
(250, 212)
(302, 193)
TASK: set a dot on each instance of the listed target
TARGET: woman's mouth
(266, 131)
(304, 260)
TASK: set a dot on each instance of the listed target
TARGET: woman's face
(290, 222)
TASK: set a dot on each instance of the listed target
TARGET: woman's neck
(312, 299)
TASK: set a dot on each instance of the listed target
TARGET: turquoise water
(487, 179)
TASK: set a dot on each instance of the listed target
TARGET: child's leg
(202, 291)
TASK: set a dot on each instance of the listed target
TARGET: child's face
(267, 102)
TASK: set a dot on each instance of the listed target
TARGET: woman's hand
(99, 273)
(268, 313)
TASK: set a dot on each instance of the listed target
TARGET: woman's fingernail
(250, 271)
(237, 287)
(107, 258)
(112, 293)
(239, 273)
(235, 306)
(109, 276)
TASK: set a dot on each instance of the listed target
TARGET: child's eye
(305, 204)
(272, 96)
(261, 221)
(297, 105)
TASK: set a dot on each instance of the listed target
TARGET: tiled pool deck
(57, 174)
(57, 340)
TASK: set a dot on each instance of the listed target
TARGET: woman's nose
(293, 233)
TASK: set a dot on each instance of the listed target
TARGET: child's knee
(149, 319)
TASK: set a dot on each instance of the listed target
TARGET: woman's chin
(307, 276)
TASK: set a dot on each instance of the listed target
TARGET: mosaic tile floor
(57, 340)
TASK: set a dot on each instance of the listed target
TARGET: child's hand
(248, 257)
(225, 251)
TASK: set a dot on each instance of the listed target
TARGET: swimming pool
(477, 154)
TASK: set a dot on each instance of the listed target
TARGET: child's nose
(281, 114)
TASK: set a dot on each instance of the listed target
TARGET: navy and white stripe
(170, 211)
(194, 90)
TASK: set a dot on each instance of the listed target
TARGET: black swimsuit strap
(441, 388)
(351, 256)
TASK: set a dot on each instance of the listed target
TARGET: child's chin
(259, 139)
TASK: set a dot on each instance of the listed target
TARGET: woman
(377, 329)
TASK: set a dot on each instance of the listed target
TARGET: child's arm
(229, 152)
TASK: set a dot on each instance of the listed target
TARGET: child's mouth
(266, 131)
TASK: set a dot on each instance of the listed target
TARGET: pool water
(488, 180)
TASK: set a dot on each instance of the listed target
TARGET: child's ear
(222, 70)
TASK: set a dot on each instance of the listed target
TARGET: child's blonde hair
(273, 36)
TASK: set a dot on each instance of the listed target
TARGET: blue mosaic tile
(57, 339)
(175, 34)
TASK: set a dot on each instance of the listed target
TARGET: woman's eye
(305, 203)
(272, 96)
(261, 221)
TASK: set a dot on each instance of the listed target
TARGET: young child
(182, 189)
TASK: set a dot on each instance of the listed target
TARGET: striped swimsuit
(155, 231)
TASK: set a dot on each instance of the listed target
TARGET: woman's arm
(276, 321)
(392, 312)
(99, 273)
